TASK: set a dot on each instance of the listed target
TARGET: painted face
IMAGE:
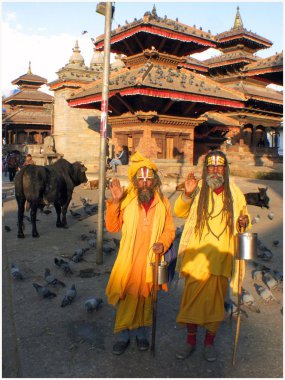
(144, 183)
(144, 177)
(215, 171)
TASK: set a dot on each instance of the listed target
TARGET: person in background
(29, 160)
(143, 215)
(13, 165)
(122, 158)
(213, 210)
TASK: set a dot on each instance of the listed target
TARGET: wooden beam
(167, 106)
(177, 48)
(161, 45)
(128, 47)
(128, 106)
(114, 109)
(189, 108)
(139, 42)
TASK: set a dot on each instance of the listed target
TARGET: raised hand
(191, 183)
(117, 191)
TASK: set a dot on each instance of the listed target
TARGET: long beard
(145, 195)
(215, 181)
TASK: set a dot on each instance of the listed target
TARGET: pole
(103, 132)
(238, 310)
(154, 303)
(239, 297)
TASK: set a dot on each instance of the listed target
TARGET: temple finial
(238, 21)
(29, 70)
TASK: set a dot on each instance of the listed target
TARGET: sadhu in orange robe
(131, 281)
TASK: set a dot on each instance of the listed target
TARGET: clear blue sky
(34, 30)
(263, 18)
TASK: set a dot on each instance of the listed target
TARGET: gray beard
(215, 183)
(145, 196)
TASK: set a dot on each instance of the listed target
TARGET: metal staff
(239, 297)
(154, 303)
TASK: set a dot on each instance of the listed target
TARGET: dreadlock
(203, 203)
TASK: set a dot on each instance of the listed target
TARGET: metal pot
(246, 246)
(162, 275)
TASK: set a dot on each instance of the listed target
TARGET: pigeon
(92, 242)
(75, 214)
(278, 275)
(264, 293)
(69, 296)
(63, 265)
(83, 237)
(43, 291)
(248, 300)
(78, 254)
(256, 219)
(231, 310)
(47, 212)
(256, 274)
(269, 280)
(16, 273)
(271, 215)
(7, 228)
(276, 243)
(51, 280)
(93, 232)
(265, 253)
(108, 249)
(84, 32)
(85, 201)
(93, 304)
(116, 242)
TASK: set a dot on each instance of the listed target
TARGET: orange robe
(134, 297)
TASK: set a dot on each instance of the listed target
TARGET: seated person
(122, 158)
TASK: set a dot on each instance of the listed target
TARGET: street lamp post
(106, 9)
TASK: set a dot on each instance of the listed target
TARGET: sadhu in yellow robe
(207, 264)
(131, 279)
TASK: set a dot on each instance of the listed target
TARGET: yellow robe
(131, 280)
(206, 264)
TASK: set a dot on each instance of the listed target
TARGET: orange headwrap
(137, 161)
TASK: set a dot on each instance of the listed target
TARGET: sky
(45, 32)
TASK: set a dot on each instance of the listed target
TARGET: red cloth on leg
(209, 338)
(191, 333)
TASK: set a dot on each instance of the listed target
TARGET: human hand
(243, 221)
(191, 183)
(117, 191)
(158, 248)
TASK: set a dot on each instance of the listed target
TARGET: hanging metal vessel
(246, 246)
(162, 273)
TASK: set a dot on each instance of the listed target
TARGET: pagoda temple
(240, 69)
(169, 105)
(155, 102)
(27, 114)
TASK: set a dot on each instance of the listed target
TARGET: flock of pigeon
(44, 291)
(264, 278)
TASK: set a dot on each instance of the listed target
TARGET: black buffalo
(260, 199)
(40, 185)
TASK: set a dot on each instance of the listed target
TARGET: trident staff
(246, 247)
